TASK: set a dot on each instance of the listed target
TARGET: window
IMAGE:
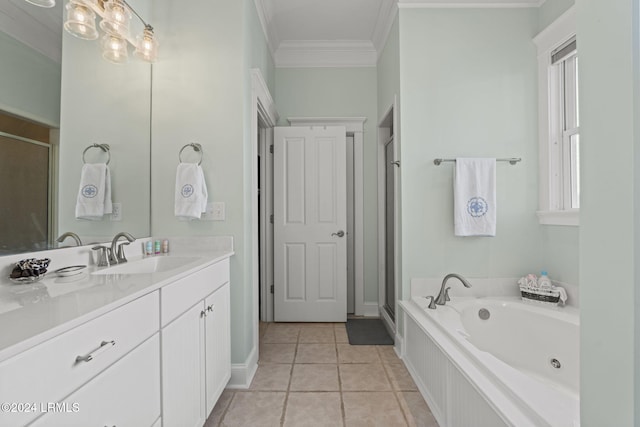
(559, 123)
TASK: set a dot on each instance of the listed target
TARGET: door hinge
(272, 288)
(271, 218)
(271, 149)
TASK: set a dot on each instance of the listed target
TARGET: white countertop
(33, 313)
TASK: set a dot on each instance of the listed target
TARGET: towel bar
(511, 160)
(103, 147)
(196, 147)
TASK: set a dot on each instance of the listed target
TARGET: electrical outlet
(116, 212)
(218, 213)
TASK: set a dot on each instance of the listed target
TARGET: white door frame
(261, 105)
(355, 126)
(388, 121)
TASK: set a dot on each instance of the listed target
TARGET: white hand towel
(191, 192)
(94, 195)
(475, 197)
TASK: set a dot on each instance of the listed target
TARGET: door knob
(339, 234)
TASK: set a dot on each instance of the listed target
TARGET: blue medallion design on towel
(89, 191)
(477, 207)
(187, 191)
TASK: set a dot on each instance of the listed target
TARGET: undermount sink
(148, 265)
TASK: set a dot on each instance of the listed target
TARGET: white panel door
(310, 219)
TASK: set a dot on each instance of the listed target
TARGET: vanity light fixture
(116, 16)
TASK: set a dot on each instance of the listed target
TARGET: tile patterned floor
(309, 375)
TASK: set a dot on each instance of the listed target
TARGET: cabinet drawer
(125, 395)
(179, 296)
(51, 371)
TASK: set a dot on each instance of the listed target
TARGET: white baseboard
(242, 373)
(371, 309)
(399, 346)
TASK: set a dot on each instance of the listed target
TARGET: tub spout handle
(432, 303)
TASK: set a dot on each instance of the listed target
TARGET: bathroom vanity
(146, 343)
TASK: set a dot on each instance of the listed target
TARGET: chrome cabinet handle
(339, 234)
(210, 308)
(104, 345)
(203, 313)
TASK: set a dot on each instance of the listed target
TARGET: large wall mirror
(61, 83)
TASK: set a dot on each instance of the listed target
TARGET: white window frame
(552, 183)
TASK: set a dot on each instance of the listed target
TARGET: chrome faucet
(74, 236)
(116, 254)
(443, 296)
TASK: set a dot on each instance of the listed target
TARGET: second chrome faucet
(443, 296)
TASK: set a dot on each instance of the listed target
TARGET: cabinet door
(217, 347)
(126, 394)
(183, 402)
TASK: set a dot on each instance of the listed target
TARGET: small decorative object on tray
(29, 270)
(541, 290)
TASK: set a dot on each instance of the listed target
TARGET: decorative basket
(541, 295)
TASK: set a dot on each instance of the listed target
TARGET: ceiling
(300, 33)
(37, 27)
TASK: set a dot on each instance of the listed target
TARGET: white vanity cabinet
(54, 369)
(195, 345)
(125, 395)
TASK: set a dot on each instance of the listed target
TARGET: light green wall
(389, 71)
(609, 217)
(30, 83)
(197, 97)
(340, 92)
(473, 95)
(550, 10)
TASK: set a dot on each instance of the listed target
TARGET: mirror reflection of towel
(474, 197)
(94, 195)
(191, 192)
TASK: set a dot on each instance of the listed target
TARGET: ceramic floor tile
(218, 411)
(357, 354)
(252, 409)
(262, 328)
(363, 377)
(315, 377)
(316, 325)
(281, 333)
(400, 377)
(415, 408)
(277, 353)
(316, 335)
(388, 354)
(271, 377)
(372, 410)
(316, 353)
(341, 335)
(313, 409)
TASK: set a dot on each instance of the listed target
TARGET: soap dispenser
(543, 280)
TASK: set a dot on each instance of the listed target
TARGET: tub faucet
(116, 255)
(74, 236)
(443, 296)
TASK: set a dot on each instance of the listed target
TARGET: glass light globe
(116, 19)
(42, 3)
(147, 45)
(81, 21)
(114, 49)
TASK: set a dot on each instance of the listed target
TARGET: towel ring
(103, 147)
(196, 147)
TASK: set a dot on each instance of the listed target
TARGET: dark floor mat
(367, 332)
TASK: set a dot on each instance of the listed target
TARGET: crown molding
(265, 15)
(386, 16)
(352, 124)
(468, 4)
(32, 31)
(310, 54)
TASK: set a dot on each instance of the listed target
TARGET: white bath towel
(475, 197)
(94, 195)
(191, 192)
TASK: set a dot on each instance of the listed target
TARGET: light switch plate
(215, 212)
(116, 212)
